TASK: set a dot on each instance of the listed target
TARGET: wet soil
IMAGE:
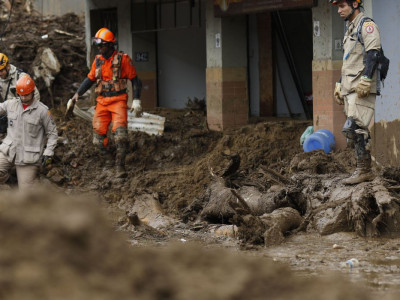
(54, 246)
(180, 189)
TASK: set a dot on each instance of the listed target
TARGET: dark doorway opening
(293, 55)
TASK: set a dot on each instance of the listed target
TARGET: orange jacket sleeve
(92, 72)
(127, 68)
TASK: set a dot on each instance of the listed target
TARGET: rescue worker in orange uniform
(111, 71)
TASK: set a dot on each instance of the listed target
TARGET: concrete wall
(124, 22)
(386, 131)
(327, 64)
(226, 74)
(213, 32)
(58, 7)
(181, 59)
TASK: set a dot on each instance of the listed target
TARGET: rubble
(253, 183)
(28, 34)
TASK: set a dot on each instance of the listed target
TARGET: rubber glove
(137, 108)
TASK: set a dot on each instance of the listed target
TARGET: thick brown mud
(230, 202)
(57, 247)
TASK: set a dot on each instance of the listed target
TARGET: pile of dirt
(25, 33)
(197, 176)
(252, 176)
(56, 247)
(177, 166)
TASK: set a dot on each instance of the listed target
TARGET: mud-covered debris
(279, 223)
(149, 211)
(23, 43)
(220, 204)
(74, 253)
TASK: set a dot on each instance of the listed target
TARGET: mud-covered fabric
(27, 175)
(28, 129)
(361, 110)
(115, 112)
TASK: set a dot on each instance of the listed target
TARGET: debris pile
(256, 177)
(73, 253)
(32, 42)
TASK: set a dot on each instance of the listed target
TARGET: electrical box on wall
(338, 45)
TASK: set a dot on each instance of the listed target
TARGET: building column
(327, 64)
(144, 55)
(226, 73)
(267, 103)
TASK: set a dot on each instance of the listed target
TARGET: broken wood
(274, 176)
(241, 201)
(65, 33)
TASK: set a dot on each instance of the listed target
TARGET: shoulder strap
(99, 62)
(8, 88)
(359, 36)
(19, 72)
(359, 30)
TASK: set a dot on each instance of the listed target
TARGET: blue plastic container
(321, 139)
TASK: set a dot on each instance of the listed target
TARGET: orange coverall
(112, 108)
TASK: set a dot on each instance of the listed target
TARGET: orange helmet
(3, 61)
(25, 85)
(104, 35)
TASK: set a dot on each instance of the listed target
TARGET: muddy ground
(200, 213)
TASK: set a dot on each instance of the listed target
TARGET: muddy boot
(362, 173)
(363, 170)
(121, 141)
(107, 159)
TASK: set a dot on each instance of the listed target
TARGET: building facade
(269, 58)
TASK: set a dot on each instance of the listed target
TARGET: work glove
(338, 96)
(364, 87)
(137, 108)
(46, 160)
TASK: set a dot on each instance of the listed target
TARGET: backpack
(383, 61)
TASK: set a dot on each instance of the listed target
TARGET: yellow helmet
(3, 61)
